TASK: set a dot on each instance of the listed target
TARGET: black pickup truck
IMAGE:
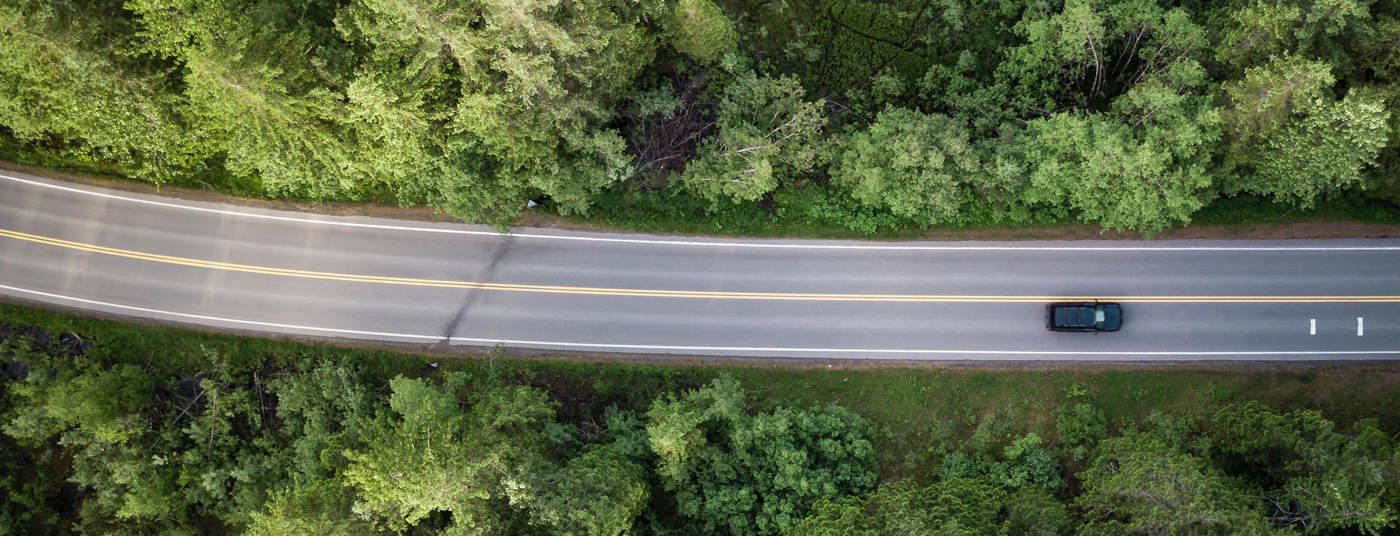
(1083, 316)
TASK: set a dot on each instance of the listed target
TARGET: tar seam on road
(662, 242)
(661, 293)
(606, 346)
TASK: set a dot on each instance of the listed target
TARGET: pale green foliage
(317, 508)
(253, 83)
(1104, 170)
(1145, 166)
(468, 106)
(488, 466)
(1140, 484)
(102, 407)
(1321, 479)
(535, 80)
(1294, 141)
(741, 474)
(1094, 50)
(766, 133)
(435, 457)
(1262, 102)
(700, 30)
(62, 74)
(910, 163)
(1325, 151)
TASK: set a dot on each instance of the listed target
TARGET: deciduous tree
(766, 133)
(911, 163)
(744, 474)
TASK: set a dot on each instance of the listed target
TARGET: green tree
(68, 75)
(1117, 176)
(320, 507)
(948, 507)
(766, 133)
(320, 408)
(1325, 151)
(527, 85)
(265, 86)
(1258, 31)
(1141, 484)
(1312, 476)
(1092, 52)
(1080, 426)
(1125, 134)
(1036, 512)
(1025, 463)
(701, 31)
(431, 456)
(744, 474)
(1267, 97)
(599, 493)
(911, 163)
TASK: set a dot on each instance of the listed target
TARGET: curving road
(238, 268)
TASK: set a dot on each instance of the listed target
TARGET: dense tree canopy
(745, 474)
(1132, 114)
(228, 439)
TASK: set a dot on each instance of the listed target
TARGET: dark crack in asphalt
(455, 323)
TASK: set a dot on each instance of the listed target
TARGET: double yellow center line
(653, 293)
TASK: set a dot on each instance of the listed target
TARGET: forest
(116, 429)
(861, 114)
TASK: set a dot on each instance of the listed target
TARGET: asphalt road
(256, 270)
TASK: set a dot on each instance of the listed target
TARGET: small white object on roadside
(530, 204)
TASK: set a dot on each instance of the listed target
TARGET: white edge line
(669, 348)
(690, 242)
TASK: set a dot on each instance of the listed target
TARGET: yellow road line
(654, 293)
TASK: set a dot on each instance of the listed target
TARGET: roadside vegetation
(728, 116)
(113, 428)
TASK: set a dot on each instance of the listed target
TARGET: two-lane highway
(361, 278)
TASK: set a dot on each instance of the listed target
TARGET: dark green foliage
(742, 474)
(1026, 464)
(860, 40)
(137, 430)
(1081, 426)
(1142, 484)
(948, 507)
(1130, 114)
(1312, 476)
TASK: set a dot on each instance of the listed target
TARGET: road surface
(227, 267)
